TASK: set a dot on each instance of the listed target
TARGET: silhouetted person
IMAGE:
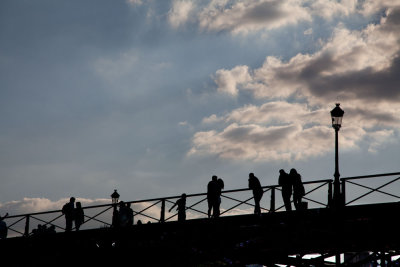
(3, 227)
(298, 188)
(220, 186)
(130, 214)
(254, 184)
(212, 195)
(286, 182)
(123, 214)
(79, 216)
(68, 211)
(181, 203)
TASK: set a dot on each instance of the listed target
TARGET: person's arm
(173, 206)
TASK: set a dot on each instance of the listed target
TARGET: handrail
(370, 176)
(155, 202)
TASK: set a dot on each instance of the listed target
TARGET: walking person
(254, 184)
(79, 216)
(298, 188)
(212, 195)
(181, 203)
(68, 211)
(286, 182)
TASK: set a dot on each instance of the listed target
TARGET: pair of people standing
(291, 182)
(72, 214)
(214, 189)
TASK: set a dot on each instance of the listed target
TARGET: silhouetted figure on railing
(79, 216)
(3, 227)
(181, 203)
(212, 195)
(254, 184)
(298, 189)
(68, 211)
(221, 186)
(123, 214)
(286, 182)
(123, 217)
(129, 211)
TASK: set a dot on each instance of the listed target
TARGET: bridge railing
(376, 188)
(233, 202)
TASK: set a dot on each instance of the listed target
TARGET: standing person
(181, 203)
(79, 215)
(220, 186)
(212, 195)
(286, 182)
(123, 214)
(254, 184)
(298, 188)
(3, 227)
(68, 211)
(130, 214)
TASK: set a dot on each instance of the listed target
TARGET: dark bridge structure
(363, 230)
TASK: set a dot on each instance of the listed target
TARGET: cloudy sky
(154, 97)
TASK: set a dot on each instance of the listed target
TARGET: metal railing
(361, 192)
(234, 202)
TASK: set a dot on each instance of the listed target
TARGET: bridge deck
(243, 239)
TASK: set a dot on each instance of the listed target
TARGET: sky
(154, 97)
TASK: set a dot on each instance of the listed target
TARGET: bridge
(364, 230)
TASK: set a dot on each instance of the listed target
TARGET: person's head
(128, 205)
(281, 171)
(78, 204)
(214, 178)
(122, 204)
(251, 175)
(293, 171)
(72, 200)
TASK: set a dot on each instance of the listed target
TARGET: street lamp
(114, 200)
(114, 197)
(337, 116)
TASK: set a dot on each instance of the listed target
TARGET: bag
(303, 205)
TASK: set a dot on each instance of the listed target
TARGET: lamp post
(114, 201)
(337, 116)
(114, 197)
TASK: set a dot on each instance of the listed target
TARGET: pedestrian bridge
(366, 225)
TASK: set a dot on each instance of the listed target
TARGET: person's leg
(286, 201)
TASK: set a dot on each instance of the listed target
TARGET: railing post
(26, 233)
(330, 194)
(343, 192)
(272, 206)
(162, 217)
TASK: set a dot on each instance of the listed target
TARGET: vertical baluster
(162, 217)
(343, 192)
(26, 233)
(272, 207)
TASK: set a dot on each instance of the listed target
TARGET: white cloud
(229, 80)
(360, 67)
(180, 12)
(247, 16)
(135, 2)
